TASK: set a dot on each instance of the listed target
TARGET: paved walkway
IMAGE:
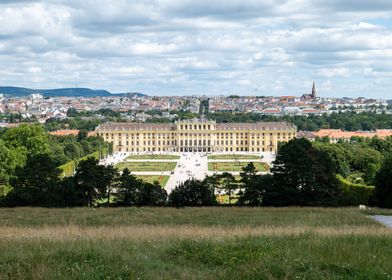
(190, 165)
(235, 160)
(385, 220)
(150, 160)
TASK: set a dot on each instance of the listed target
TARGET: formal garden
(235, 166)
(153, 157)
(161, 179)
(152, 166)
(233, 157)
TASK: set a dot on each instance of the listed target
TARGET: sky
(203, 47)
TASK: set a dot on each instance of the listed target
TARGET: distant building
(197, 135)
(311, 96)
(65, 132)
(335, 135)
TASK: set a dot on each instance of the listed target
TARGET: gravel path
(385, 220)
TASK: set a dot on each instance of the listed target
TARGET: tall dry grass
(148, 232)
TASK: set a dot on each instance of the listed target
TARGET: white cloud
(176, 47)
(333, 72)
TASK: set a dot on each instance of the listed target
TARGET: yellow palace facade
(197, 135)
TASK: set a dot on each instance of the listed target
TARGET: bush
(354, 194)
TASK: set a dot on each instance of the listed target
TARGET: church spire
(314, 90)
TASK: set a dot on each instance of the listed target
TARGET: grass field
(233, 156)
(193, 243)
(152, 178)
(147, 166)
(234, 166)
(169, 157)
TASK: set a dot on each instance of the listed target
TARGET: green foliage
(35, 183)
(354, 194)
(254, 190)
(192, 193)
(383, 190)
(93, 180)
(302, 176)
(31, 138)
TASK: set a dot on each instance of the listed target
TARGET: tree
(248, 173)
(93, 179)
(339, 156)
(32, 138)
(36, 183)
(128, 188)
(383, 189)
(255, 190)
(228, 184)
(151, 195)
(9, 160)
(302, 176)
(73, 150)
(192, 193)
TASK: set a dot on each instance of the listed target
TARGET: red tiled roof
(65, 132)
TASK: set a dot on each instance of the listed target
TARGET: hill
(85, 92)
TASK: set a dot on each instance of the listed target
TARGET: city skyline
(163, 47)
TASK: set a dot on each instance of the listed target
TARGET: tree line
(22, 143)
(302, 175)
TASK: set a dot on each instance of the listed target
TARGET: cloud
(210, 47)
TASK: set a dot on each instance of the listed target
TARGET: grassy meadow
(193, 243)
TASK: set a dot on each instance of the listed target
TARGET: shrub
(353, 194)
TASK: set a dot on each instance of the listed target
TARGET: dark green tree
(192, 193)
(36, 183)
(151, 195)
(228, 184)
(383, 189)
(128, 189)
(255, 189)
(93, 179)
(302, 176)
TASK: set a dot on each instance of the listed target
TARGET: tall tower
(314, 91)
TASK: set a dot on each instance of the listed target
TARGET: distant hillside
(85, 92)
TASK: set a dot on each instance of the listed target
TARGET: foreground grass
(267, 257)
(234, 166)
(147, 166)
(193, 243)
(233, 157)
(169, 157)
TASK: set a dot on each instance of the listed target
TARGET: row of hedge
(354, 194)
(68, 169)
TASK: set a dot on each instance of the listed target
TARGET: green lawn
(234, 166)
(147, 166)
(169, 157)
(233, 156)
(162, 179)
(193, 243)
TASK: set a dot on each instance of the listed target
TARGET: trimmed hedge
(354, 194)
(69, 168)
